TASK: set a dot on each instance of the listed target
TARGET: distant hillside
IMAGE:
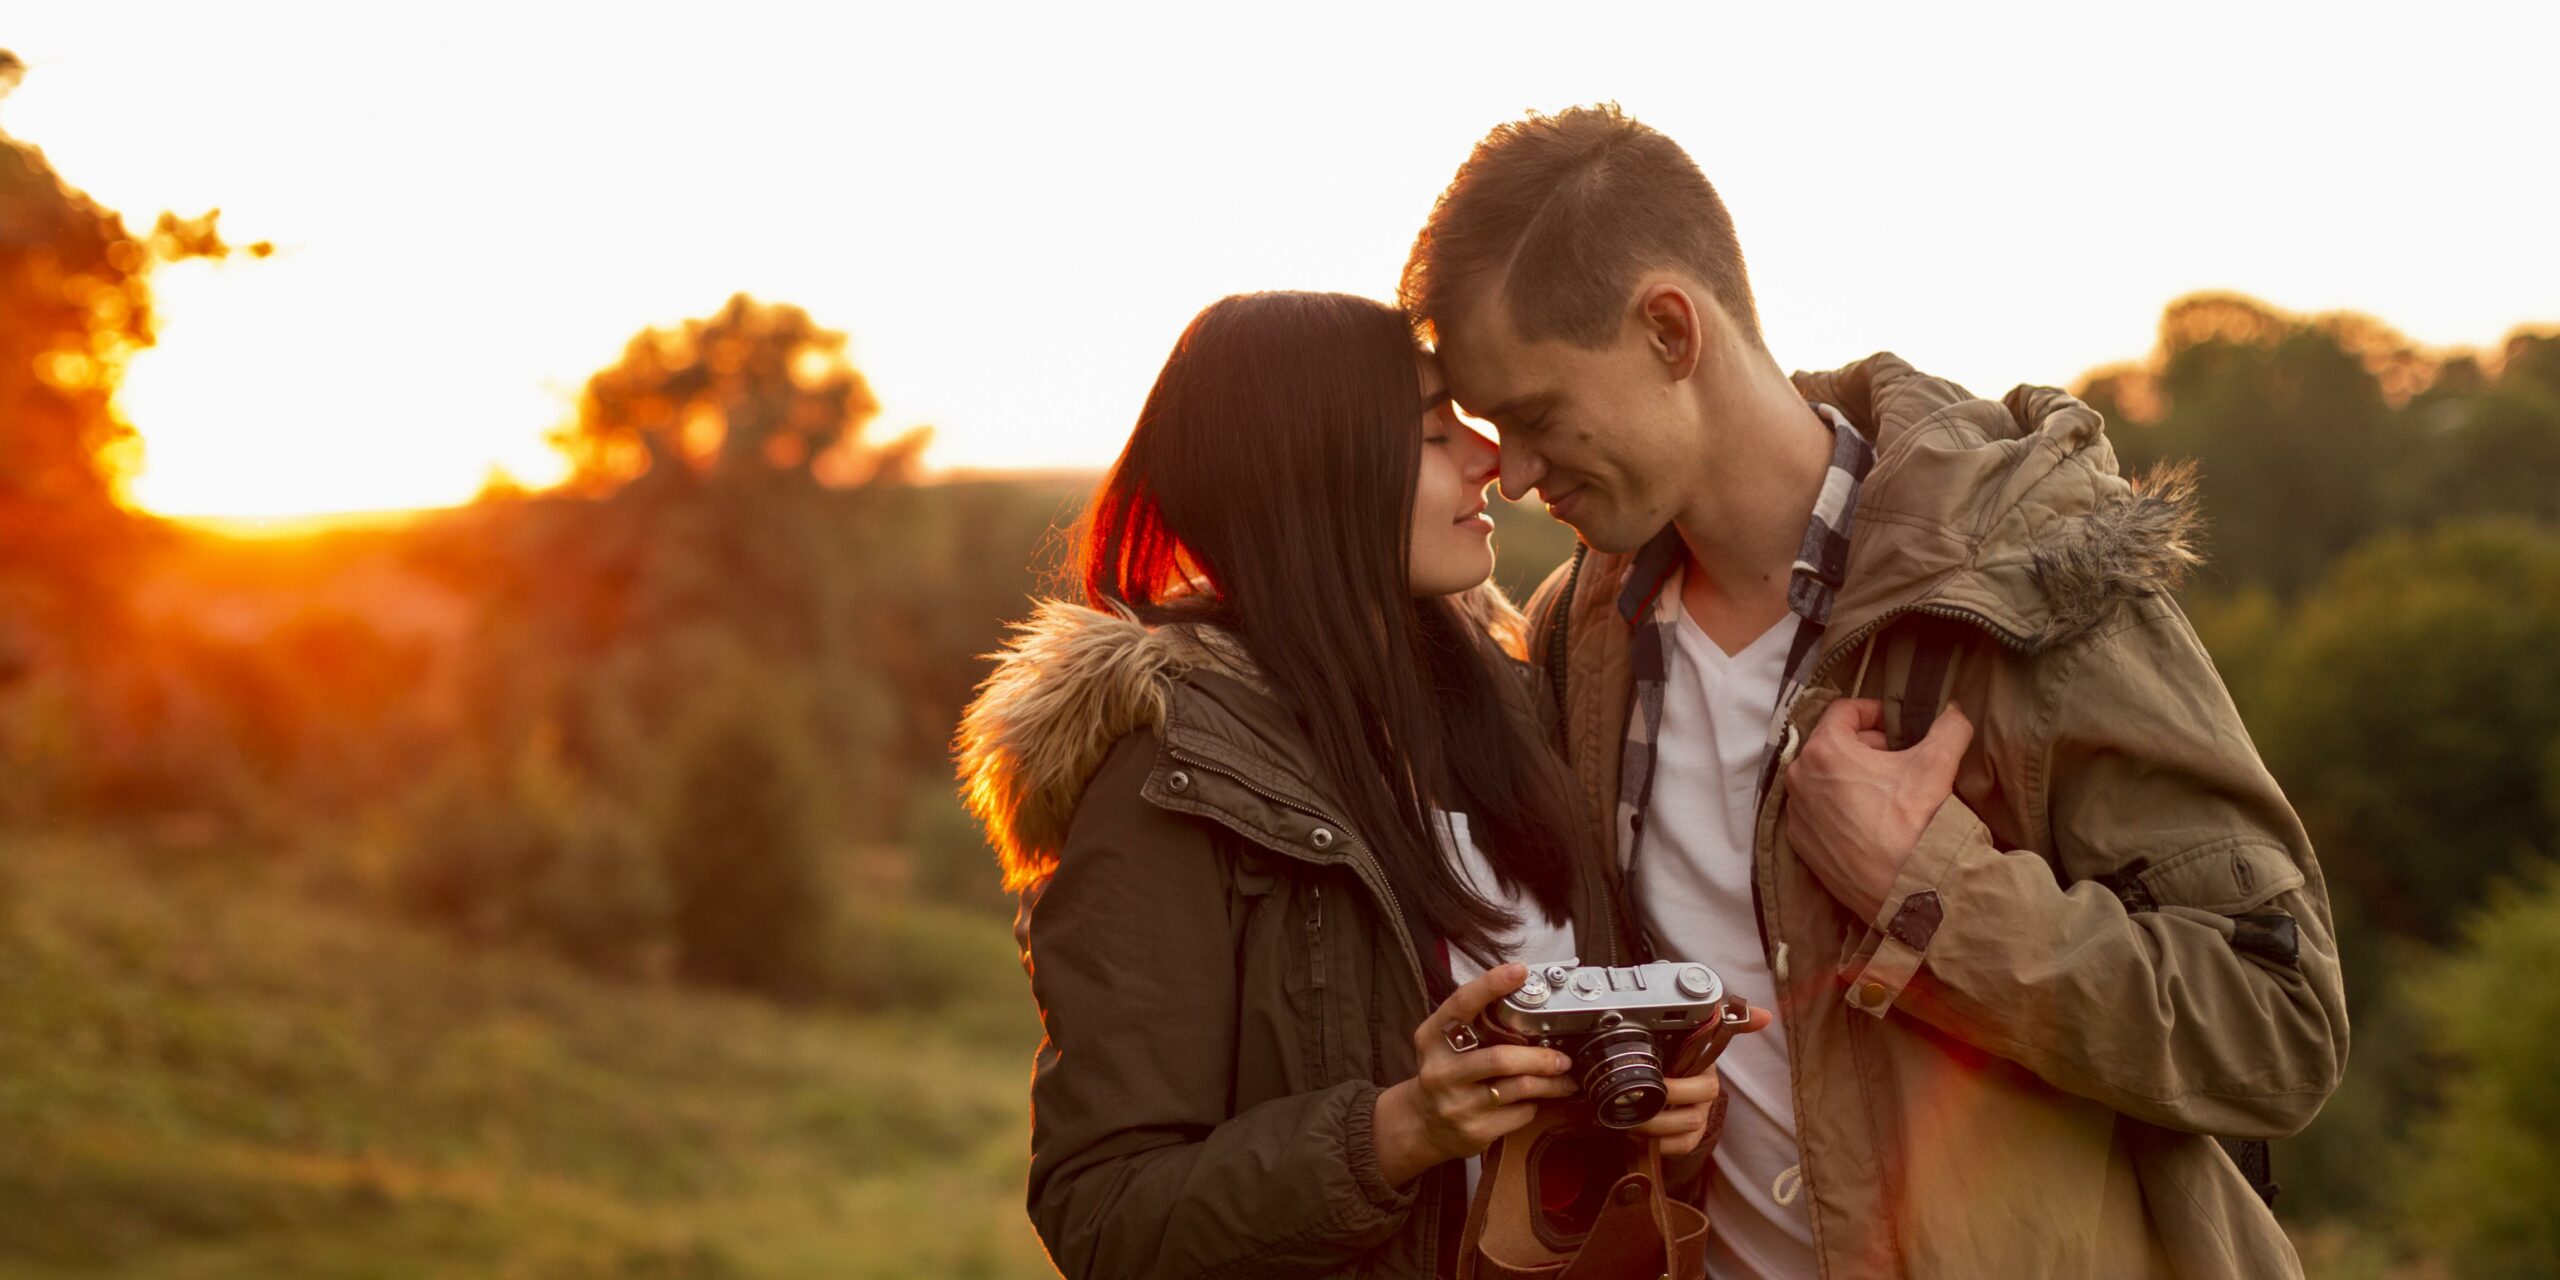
(209, 1079)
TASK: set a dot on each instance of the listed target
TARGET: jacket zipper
(1316, 962)
(2014, 642)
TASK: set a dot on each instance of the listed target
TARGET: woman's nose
(1483, 460)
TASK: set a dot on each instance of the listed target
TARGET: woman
(1276, 791)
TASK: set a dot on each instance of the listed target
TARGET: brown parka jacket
(1225, 981)
(2084, 969)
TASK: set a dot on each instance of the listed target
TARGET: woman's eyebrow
(1432, 402)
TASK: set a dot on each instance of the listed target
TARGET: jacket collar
(2010, 512)
(1073, 681)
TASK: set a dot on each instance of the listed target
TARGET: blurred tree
(2495, 440)
(2532, 357)
(723, 452)
(75, 306)
(757, 390)
(2411, 708)
(2317, 432)
(2293, 421)
(72, 288)
(2486, 1190)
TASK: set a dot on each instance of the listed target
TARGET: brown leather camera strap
(1707, 1043)
(1639, 1234)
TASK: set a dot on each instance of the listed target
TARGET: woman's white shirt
(1535, 940)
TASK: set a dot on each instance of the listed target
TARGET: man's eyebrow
(1514, 407)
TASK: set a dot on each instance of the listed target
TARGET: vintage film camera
(1620, 1025)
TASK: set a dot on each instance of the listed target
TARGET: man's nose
(1521, 471)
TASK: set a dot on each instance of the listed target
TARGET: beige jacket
(2027, 1091)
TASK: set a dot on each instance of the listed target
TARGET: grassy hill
(205, 1074)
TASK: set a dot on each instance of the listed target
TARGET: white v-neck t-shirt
(1692, 883)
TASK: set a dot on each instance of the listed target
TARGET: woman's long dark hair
(1268, 490)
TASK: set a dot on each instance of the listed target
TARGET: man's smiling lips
(1557, 502)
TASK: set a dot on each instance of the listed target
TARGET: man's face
(1604, 435)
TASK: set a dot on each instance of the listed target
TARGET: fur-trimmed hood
(1070, 684)
(2012, 510)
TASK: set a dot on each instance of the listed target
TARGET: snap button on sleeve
(1321, 837)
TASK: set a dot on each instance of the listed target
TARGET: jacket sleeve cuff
(1360, 1148)
(1912, 910)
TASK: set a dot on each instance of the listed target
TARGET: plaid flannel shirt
(1653, 611)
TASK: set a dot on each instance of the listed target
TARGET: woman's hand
(1459, 1103)
(1693, 1105)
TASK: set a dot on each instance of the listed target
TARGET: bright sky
(1014, 212)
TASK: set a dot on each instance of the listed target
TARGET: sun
(249, 410)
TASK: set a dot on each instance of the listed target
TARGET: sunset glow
(474, 208)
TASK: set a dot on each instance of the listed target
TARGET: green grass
(204, 1076)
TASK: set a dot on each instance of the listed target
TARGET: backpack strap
(1918, 672)
(2257, 1164)
(1560, 625)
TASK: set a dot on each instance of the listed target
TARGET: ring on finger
(1496, 1091)
(1460, 1037)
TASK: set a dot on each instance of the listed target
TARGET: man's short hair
(1560, 214)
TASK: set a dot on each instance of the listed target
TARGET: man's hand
(1857, 810)
(1693, 1105)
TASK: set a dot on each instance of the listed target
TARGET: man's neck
(1745, 522)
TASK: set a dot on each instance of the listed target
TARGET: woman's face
(1451, 545)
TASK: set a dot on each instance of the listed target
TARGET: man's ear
(1672, 327)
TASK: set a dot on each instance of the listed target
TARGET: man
(1883, 708)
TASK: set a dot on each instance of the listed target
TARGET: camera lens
(1622, 1075)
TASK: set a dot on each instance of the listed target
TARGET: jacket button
(1321, 837)
(1871, 995)
(1180, 781)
